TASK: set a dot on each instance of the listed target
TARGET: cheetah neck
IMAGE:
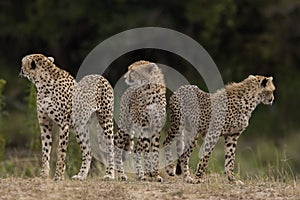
(158, 78)
(52, 78)
(246, 91)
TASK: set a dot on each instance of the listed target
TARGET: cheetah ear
(128, 77)
(251, 76)
(270, 78)
(51, 59)
(264, 82)
(151, 67)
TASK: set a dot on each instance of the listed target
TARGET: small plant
(2, 83)
(32, 121)
(2, 139)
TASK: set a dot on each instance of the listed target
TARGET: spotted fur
(142, 115)
(63, 101)
(211, 115)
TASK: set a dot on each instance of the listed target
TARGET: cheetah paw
(58, 178)
(108, 177)
(189, 179)
(237, 182)
(78, 177)
(44, 175)
(123, 177)
(158, 179)
(142, 178)
(199, 180)
(171, 173)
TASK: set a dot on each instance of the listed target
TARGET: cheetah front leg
(138, 151)
(62, 151)
(147, 157)
(82, 137)
(46, 126)
(230, 147)
(120, 142)
(155, 158)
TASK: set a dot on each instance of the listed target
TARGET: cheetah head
(266, 88)
(142, 72)
(35, 66)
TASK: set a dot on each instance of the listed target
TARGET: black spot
(33, 65)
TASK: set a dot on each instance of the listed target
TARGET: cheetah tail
(178, 170)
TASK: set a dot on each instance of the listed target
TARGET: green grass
(260, 159)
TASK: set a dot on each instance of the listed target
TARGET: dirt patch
(173, 188)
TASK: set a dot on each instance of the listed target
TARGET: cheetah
(69, 104)
(142, 115)
(223, 113)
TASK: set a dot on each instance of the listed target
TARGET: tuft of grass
(19, 167)
(2, 139)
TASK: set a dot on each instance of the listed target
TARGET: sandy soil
(174, 188)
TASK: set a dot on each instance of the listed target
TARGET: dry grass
(173, 188)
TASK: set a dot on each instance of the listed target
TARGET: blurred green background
(242, 36)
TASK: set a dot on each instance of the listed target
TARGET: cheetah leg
(119, 147)
(183, 160)
(146, 158)
(82, 138)
(46, 137)
(155, 157)
(180, 148)
(168, 143)
(138, 160)
(205, 152)
(62, 150)
(106, 123)
(110, 160)
(229, 147)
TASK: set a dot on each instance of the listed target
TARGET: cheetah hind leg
(82, 138)
(106, 123)
(170, 167)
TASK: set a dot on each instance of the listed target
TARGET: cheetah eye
(33, 65)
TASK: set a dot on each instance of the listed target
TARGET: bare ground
(173, 188)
